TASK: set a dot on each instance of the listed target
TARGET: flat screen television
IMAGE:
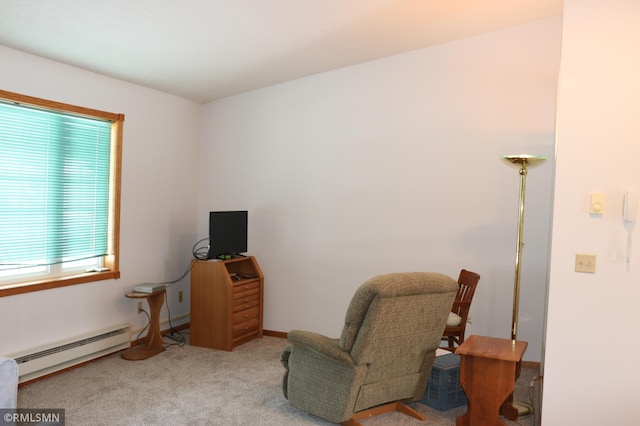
(227, 233)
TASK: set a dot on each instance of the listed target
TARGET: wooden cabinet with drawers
(226, 302)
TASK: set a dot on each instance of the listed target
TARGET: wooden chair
(454, 334)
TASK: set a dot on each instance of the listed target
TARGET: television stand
(226, 302)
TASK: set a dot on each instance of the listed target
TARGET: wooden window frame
(111, 261)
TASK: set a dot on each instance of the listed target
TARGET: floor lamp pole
(523, 162)
(516, 279)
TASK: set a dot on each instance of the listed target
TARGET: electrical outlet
(179, 297)
(586, 263)
(139, 307)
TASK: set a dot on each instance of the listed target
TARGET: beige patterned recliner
(382, 360)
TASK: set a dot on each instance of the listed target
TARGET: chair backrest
(395, 321)
(467, 283)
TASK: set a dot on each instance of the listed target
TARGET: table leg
(154, 344)
(507, 409)
(487, 383)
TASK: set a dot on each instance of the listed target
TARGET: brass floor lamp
(523, 162)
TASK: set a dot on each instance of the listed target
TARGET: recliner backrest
(397, 317)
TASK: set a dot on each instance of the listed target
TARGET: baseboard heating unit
(47, 359)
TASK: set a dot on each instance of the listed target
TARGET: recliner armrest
(321, 378)
(326, 346)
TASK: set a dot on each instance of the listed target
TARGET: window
(59, 194)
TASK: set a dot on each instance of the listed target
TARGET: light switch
(597, 203)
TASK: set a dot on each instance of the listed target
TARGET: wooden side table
(154, 344)
(487, 374)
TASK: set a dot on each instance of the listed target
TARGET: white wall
(158, 203)
(591, 375)
(394, 165)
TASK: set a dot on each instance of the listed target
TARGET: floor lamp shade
(523, 162)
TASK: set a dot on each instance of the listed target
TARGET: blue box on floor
(443, 388)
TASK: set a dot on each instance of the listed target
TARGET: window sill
(38, 285)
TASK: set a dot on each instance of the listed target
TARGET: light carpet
(190, 385)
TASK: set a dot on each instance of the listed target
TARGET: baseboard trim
(166, 322)
(531, 364)
(272, 333)
(136, 342)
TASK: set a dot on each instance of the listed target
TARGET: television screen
(227, 233)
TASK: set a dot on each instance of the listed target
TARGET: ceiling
(205, 50)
